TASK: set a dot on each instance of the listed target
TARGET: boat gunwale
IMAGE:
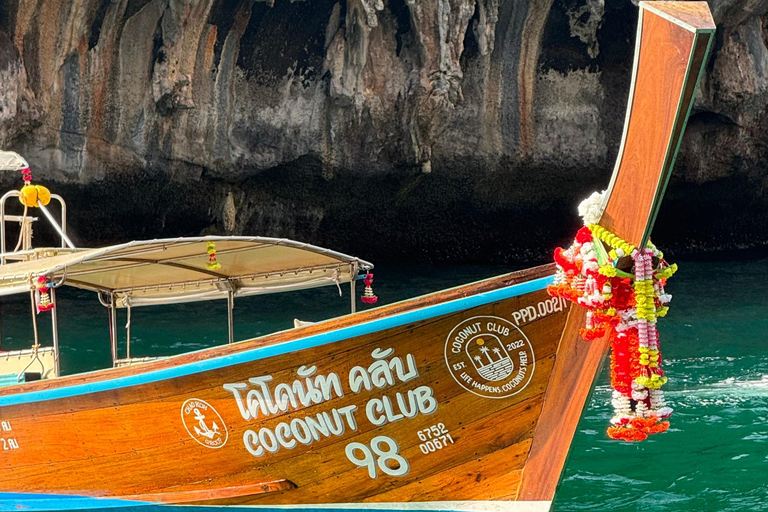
(14, 395)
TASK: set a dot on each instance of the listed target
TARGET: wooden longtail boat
(466, 399)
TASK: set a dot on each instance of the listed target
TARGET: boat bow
(671, 48)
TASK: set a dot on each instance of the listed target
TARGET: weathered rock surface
(450, 130)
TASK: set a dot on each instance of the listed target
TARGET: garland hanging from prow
(622, 289)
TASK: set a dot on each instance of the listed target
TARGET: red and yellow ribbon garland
(624, 306)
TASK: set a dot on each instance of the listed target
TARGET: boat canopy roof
(10, 161)
(175, 269)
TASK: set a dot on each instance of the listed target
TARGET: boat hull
(427, 401)
(461, 399)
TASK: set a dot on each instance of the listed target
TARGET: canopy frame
(78, 268)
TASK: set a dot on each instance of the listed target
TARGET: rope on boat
(22, 226)
(336, 279)
(36, 346)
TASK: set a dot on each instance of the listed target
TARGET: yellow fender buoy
(31, 194)
(43, 195)
(28, 195)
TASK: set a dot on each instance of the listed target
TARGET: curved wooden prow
(673, 41)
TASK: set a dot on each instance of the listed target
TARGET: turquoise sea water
(715, 343)
(715, 455)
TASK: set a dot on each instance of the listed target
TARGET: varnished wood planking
(204, 463)
(694, 14)
(489, 477)
(665, 49)
(471, 422)
(576, 366)
(133, 436)
(340, 356)
(322, 465)
(107, 464)
(506, 428)
(699, 53)
(207, 496)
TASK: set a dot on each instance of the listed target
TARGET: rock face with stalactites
(19, 111)
(452, 130)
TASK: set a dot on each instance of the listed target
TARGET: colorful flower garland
(44, 299)
(368, 295)
(212, 264)
(624, 306)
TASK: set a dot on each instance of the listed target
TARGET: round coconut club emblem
(204, 423)
(489, 356)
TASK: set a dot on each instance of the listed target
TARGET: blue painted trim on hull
(77, 503)
(282, 348)
(32, 502)
(15, 502)
(12, 501)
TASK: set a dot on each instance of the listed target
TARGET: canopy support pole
(55, 224)
(55, 329)
(2, 224)
(230, 315)
(34, 318)
(36, 346)
(113, 327)
(128, 333)
(352, 281)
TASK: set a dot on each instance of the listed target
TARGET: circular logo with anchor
(203, 423)
(490, 357)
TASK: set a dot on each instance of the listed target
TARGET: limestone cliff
(451, 130)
